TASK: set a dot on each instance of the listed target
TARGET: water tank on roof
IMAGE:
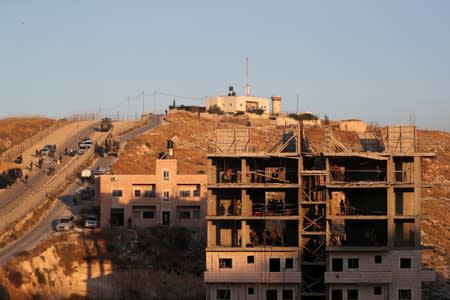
(170, 147)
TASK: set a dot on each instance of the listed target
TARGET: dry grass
(15, 130)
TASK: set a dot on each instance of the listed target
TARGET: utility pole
(143, 95)
(129, 105)
(154, 102)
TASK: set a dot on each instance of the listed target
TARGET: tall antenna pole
(247, 86)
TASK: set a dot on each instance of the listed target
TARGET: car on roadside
(15, 172)
(91, 221)
(6, 180)
(44, 151)
(101, 170)
(64, 223)
(87, 193)
(82, 149)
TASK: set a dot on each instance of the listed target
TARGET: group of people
(231, 210)
(270, 238)
(274, 205)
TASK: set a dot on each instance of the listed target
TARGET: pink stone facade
(165, 198)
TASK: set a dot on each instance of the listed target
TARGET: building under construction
(305, 221)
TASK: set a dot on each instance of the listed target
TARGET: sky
(386, 62)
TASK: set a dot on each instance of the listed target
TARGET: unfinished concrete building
(304, 221)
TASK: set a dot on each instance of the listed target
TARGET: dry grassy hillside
(15, 130)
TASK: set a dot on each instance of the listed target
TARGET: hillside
(15, 130)
(151, 263)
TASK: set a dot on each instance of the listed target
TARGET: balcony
(252, 277)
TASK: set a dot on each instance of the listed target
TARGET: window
(378, 259)
(337, 265)
(117, 193)
(271, 295)
(404, 294)
(288, 295)
(137, 193)
(166, 196)
(274, 265)
(166, 175)
(336, 294)
(148, 214)
(223, 294)
(149, 194)
(185, 193)
(353, 263)
(289, 263)
(251, 291)
(377, 290)
(250, 259)
(225, 263)
(405, 263)
(352, 294)
(184, 214)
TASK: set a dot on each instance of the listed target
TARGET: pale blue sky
(380, 61)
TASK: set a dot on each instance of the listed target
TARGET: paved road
(64, 206)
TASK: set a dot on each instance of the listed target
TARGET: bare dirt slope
(191, 136)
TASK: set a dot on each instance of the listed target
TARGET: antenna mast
(247, 86)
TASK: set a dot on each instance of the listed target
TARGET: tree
(259, 111)
(215, 109)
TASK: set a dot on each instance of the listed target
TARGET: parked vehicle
(82, 149)
(105, 124)
(15, 172)
(91, 221)
(87, 174)
(6, 180)
(64, 223)
(44, 151)
(102, 170)
(87, 193)
(112, 146)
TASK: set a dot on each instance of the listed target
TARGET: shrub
(40, 276)
(215, 109)
(15, 278)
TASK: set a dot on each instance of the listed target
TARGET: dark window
(289, 263)
(184, 214)
(250, 259)
(185, 193)
(223, 294)
(377, 290)
(274, 265)
(352, 294)
(336, 294)
(149, 194)
(271, 294)
(117, 193)
(148, 214)
(225, 263)
(337, 265)
(353, 263)
(404, 294)
(137, 193)
(378, 259)
(405, 263)
(251, 291)
(288, 295)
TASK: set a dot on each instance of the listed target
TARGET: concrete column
(211, 234)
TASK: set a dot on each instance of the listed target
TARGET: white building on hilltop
(233, 103)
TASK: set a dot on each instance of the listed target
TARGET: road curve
(63, 206)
